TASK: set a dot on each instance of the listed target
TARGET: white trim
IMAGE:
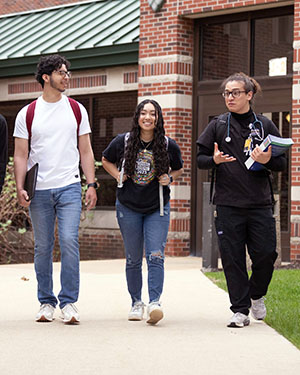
(179, 215)
(106, 219)
(179, 235)
(100, 219)
(181, 192)
(166, 78)
(171, 100)
(296, 67)
(295, 218)
(166, 58)
(296, 91)
(296, 44)
(115, 83)
(295, 193)
(294, 240)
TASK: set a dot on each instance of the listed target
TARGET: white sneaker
(137, 311)
(258, 308)
(45, 314)
(239, 320)
(155, 312)
(70, 314)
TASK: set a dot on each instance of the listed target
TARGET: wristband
(93, 184)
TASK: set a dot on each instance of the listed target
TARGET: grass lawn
(282, 302)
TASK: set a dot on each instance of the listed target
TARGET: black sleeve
(3, 150)
(174, 152)
(278, 163)
(115, 150)
(205, 145)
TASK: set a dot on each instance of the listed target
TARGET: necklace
(146, 144)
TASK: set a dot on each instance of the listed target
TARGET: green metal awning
(91, 34)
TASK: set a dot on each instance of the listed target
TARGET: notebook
(30, 180)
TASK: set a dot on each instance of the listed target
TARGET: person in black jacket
(3, 150)
(243, 198)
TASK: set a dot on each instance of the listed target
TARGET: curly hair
(160, 154)
(48, 64)
(250, 84)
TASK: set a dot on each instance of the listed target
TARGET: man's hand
(219, 156)
(90, 198)
(260, 156)
(23, 198)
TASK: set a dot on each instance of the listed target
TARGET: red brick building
(178, 55)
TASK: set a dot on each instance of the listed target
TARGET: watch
(171, 178)
(93, 184)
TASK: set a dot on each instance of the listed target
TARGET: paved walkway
(191, 339)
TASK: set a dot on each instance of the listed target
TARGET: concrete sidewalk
(191, 339)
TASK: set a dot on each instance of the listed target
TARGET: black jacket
(235, 184)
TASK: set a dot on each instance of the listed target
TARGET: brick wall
(295, 162)
(165, 73)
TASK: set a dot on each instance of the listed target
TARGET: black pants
(237, 228)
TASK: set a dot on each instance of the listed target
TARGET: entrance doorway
(224, 47)
(276, 105)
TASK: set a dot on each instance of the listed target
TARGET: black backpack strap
(272, 192)
(221, 126)
(212, 184)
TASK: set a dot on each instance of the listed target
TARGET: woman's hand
(119, 176)
(164, 179)
(219, 156)
(260, 156)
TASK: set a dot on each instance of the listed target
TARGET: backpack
(31, 109)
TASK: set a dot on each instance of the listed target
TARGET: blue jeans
(65, 205)
(139, 231)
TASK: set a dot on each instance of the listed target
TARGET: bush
(16, 237)
(16, 243)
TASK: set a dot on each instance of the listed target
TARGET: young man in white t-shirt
(57, 148)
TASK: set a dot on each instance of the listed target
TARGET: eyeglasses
(63, 73)
(235, 93)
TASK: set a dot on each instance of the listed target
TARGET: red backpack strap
(29, 117)
(77, 113)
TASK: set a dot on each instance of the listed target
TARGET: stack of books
(279, 146)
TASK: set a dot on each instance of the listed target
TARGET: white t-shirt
(53, 142)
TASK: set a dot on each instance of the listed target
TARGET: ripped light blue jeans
(139, 231)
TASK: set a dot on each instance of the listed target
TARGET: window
(259, 45)
(224, 49)
(273, 46)
(111, 115)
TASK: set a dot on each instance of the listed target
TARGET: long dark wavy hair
(160, 155)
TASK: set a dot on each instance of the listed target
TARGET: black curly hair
(48, 64)
(161, 157)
